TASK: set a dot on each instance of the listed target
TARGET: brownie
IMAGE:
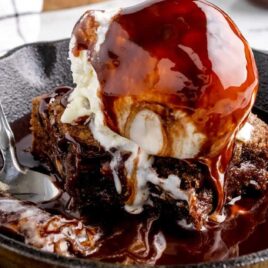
(83, 166)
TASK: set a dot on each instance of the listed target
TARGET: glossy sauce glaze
(184, 61)
(150, 239)
(205, 97)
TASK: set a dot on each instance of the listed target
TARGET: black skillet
(33, 69)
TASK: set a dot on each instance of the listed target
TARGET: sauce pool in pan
(152, 240)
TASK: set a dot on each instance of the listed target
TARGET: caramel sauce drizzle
(161, 54)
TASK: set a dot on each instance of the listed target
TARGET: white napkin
(19, 22)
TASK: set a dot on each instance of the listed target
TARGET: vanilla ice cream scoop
(175, 77)
(170, 78)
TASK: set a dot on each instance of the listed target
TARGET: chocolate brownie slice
(84, 166)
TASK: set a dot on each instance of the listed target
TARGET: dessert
(155, 149)
(154, 85)
(84, 165)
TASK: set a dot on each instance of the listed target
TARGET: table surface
(33, 25)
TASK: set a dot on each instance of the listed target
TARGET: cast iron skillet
(33, 69)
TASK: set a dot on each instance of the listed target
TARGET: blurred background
(27, 21)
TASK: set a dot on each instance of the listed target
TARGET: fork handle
(11, 167)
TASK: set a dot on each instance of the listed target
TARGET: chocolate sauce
(167, 57)
(58, 91)
(150, 239)
(163, 56)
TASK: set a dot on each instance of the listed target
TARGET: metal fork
(22, 183)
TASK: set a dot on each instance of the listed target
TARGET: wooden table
(61, 4)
